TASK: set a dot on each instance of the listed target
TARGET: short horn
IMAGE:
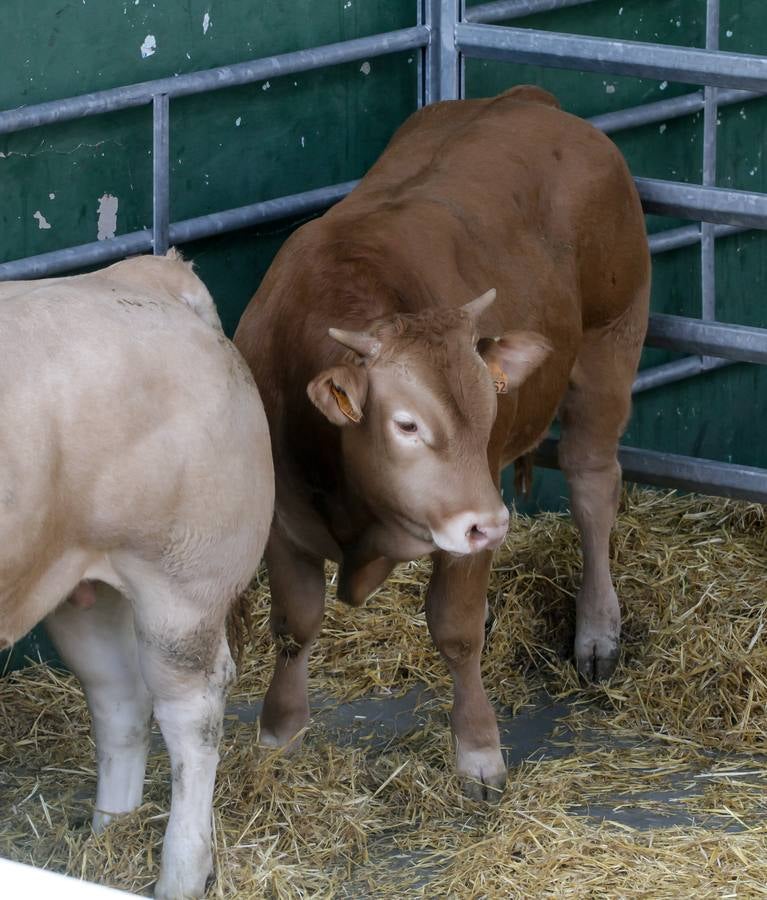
(476, 307)
(362, 343)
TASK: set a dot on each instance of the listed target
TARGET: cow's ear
(339, 393)
(513, 357)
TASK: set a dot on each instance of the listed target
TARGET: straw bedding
(681, 728)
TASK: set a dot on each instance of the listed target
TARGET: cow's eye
(407, 427)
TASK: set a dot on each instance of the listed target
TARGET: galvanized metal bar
(449, 84)
(100, 252)
(678, 370)
(214, 79)
(710, 117)
(742, 343)
(686, 236)
(259, 213)
(431, 53)
(160, 174)
(505, 10)
(663, 110)
(591, 54)
(58, 261)
(688, 473)
(710, 204)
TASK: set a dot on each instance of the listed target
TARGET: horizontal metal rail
(742, 343)
(214, 79)
(591, 54)
(182, 232)
(664, 110)
(678, 370)
(686, 236)
(505, 10)
(708, 204)
(687, 473)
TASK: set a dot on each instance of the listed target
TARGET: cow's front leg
(297, 584)
(455, 612)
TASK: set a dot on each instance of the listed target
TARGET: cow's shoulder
(530, 93)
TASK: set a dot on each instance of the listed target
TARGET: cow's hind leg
(187, 666)
(456, 609)
(297, 585)
(593, 416)
(99, 646)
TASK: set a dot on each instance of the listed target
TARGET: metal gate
(445, 35)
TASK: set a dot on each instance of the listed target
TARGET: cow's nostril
(475, 533)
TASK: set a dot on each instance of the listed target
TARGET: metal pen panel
(743, 343)
(59, 261)
(591, 54)
(214, 79)
(710, 204)
(688, 473)
(505, 10)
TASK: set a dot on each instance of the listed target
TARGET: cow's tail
(523, 476)
(194, 293)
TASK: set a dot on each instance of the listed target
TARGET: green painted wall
(242, 145)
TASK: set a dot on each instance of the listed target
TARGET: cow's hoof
(483, 774)
(289, 741)
(597, 659)
(174, 884)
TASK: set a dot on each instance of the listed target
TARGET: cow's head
(416, 399)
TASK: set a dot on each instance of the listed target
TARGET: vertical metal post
(710, 115)
(440, 61)
(160, 174)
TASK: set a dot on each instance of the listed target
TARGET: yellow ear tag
(344, 403)
(500, 379)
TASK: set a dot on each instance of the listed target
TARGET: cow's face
(417, 402)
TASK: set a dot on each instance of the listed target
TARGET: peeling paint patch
(51, 196)
(365, 68)
(303, 141)
(206, 23)
(149, 47)
(265, 86)
(238, 121)
(107, 217)
(42, 223)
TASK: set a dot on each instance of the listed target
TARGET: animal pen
(657, 778)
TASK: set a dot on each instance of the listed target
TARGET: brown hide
(508, 193)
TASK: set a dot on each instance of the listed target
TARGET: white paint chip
(51, 196)
(238, 121)
(42, 222)
(149, 47)
(303, 141)
(662, 128)
(729, 32)
(107, 217)
(265, 86)
(663, 85)
(365, 68)
(206, 23)
(609, 88)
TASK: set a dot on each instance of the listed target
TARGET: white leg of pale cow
(187, 666)
(99, 646)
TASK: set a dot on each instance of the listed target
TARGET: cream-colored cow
(135, 479)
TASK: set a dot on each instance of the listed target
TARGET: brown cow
(398, 449)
